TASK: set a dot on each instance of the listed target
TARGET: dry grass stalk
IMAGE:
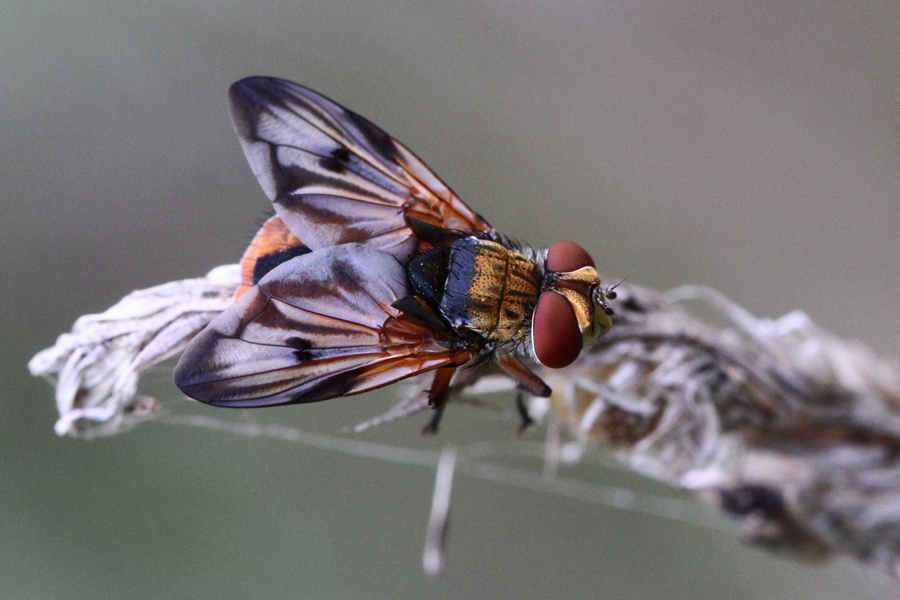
(777, 423)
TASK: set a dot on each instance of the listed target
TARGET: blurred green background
(754, 147)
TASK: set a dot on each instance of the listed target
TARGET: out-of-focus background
(754, 147)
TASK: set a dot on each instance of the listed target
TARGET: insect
(372, 270)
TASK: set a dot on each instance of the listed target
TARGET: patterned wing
(318, 326)
(336, 178)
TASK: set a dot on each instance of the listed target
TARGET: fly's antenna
(610, 292)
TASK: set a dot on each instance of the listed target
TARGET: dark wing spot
(301, 349)
(337, 162)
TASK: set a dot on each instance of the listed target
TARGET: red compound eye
(568, 256)
(555, 333)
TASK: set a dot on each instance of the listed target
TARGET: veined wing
(333, 176)
(318, 326)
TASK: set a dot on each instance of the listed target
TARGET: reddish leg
(527, 380)
(437, 398)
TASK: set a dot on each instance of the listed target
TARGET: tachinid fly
(372, 270)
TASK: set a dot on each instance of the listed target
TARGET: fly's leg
(526, 420)
(437, 398)
(527, 381)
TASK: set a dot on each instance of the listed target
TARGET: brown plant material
(775, 422)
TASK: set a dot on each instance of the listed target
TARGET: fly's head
(573, 309)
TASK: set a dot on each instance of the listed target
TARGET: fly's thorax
(479, 285)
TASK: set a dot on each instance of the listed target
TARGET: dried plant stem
(777, 423)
